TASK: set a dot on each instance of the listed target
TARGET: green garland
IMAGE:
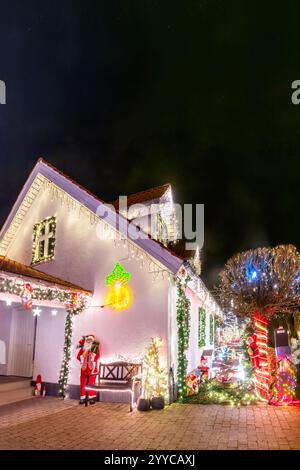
(201, 327)
(11, 286)
(211, 330)
(65, 366)
(183, 324)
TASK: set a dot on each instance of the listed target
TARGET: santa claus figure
(203, 367)
(253, 351)
(88, 355)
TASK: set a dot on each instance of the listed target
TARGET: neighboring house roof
(144, 196)
(155, 249)
(14, 267)
(178, 248)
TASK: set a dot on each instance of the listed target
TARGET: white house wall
(49, 344)
(193, 349)
(173, 329)
(81, 258)
(5, 328)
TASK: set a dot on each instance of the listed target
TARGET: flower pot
(143, 404)
(158, 403)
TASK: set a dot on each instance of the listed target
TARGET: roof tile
(14, 267)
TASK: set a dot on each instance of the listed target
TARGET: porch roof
(14, 267)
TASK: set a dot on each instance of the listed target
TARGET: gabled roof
(14, 267)
(144, 196)
(43, 169)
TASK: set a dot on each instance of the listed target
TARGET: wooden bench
(116, 377)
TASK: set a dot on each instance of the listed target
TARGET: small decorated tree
(154, 376)
(263, 285)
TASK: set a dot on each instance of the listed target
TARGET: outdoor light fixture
(36, 312)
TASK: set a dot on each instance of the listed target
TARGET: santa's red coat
(89, 365)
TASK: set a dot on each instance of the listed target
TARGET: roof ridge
(138, 193)
(42, 160)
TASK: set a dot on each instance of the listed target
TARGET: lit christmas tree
(285, 383)
(154, 376)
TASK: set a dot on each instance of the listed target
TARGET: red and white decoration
(26, 296)
(88, 355)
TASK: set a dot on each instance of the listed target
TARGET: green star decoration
(118, 274)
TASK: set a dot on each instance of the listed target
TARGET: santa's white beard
(87, 346)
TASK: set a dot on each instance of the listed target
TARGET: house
(56, 254)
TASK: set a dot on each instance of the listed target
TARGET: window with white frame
(44, 240)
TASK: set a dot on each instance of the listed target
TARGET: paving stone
(51, 423)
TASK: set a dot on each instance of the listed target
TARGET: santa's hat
(90, 336)
(203, 358)
(38, 379)
(252, 339)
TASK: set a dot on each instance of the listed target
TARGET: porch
(14, 389)
(33, 307)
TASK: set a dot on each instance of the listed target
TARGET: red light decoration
(262, 373)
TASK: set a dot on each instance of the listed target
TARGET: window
(202, 327)
(161, 229)
(211, 330)
(44, 240)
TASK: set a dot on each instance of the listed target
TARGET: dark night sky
(129, 94)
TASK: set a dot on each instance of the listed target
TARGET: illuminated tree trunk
(262, 373)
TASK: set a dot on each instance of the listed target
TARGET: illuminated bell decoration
(119, 295)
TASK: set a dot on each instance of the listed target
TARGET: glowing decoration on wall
(119, 295)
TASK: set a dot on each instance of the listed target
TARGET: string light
(183, 328)
(154, 382)
(15, 286)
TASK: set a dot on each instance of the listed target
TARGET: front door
(21, 346)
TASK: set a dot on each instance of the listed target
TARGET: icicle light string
(119, 240)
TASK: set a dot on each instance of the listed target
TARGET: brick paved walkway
(51, 423)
